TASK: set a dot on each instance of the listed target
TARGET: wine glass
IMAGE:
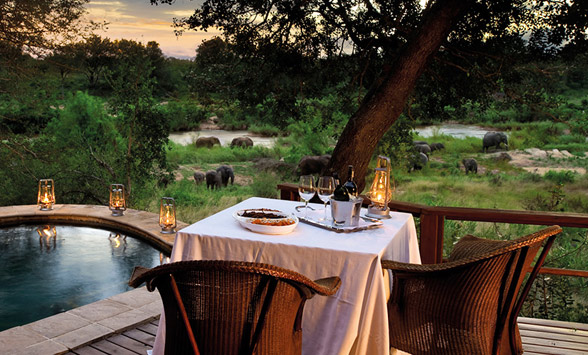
(306, 190)
(325, 188)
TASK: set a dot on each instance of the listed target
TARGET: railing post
(431, 246)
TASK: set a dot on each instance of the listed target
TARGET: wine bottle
(340, 193)
(350, 184)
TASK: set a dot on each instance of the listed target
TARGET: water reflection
(116, 241)
(47, 237)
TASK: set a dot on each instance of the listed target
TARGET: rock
(536, 153)
(501, 156)
(567, 154)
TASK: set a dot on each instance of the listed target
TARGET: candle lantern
(167, 215)
(380, 192)
(46, 195)
(117, 199)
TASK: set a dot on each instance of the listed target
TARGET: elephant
(313, 164)
(422, 148)
(244, 142)
(419, 142)
(494, 139)
(213, 179)
(208, 142)
(199, 177)
(418, 161)
(226, 173)
(470, 165)
(436, 146)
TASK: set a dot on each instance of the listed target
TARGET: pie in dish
(266, 221)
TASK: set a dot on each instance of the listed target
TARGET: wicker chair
(230, 307)
(468, 305)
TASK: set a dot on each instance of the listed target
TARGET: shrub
(183, 116)
(560, 177)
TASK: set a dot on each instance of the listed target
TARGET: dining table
(352, 321)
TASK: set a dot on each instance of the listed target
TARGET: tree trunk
(382, 108)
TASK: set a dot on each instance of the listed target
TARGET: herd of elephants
(315, 164)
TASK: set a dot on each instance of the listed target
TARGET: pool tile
(57, 325)
(126, 320)
(44, 348)
(17, 338)
(83, 335)
(136, 298)
(100, 310)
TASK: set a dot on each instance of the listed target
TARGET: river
(225, 137)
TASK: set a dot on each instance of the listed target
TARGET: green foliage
(26, 114)
(183, 115)
(264, 185)
(560, 177)
(310, 135)
(143, 124)
(181, 155)
(397, 141)
(265, 130)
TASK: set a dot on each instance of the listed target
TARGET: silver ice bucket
(346, 213)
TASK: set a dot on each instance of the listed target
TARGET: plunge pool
(45, 270)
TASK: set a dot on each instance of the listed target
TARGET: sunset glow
(140, 21)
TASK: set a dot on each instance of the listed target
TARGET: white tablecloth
(354, 320)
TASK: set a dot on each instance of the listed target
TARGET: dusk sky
(140, 21)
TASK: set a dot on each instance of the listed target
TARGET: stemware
(306, 190)
(325, 188)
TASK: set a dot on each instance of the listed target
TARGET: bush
(560, 177)
(264, 185)
(183, 115)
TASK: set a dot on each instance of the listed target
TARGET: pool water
(45, 270)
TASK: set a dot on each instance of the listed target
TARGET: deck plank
(550, 351)
(555, 336)
(140, 336)
(558, 330)
(553, 323)
(130, 344)
(88, 350)
(112, 348)
(148, 328)
(568, 345)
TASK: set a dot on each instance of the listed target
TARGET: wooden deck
(131, 342)
(539, 336)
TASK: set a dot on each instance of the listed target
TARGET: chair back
(468, 305)
(229, 307)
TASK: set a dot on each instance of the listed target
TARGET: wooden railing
(432, 222)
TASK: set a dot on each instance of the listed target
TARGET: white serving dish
(246, 222)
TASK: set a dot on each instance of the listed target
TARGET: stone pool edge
(141, 224)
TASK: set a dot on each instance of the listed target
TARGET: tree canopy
(460, 45)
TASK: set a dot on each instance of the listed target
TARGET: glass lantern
(167, 215)
(117, 202)
(46, 195)
(380, 192)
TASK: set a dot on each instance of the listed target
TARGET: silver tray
(364, 224)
